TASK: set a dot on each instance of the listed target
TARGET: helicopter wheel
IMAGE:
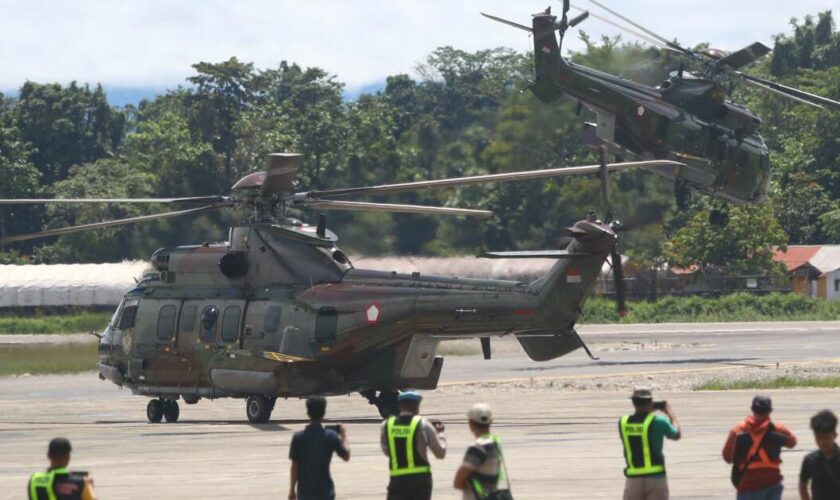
(171, 411)
(154, 411)
(386, 403)
(258, 409)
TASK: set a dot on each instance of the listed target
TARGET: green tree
(744, 246)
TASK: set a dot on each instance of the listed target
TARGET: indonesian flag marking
(372, 312)
(573, 276)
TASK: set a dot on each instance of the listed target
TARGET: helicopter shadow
(733, 361)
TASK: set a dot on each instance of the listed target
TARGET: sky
(136, 48)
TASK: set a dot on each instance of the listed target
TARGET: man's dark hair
(59, 447)
(824, 422)
(641, 401)
(316, 407)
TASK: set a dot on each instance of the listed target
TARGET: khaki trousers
(646, 488)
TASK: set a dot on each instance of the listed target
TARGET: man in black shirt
(822, 467)
(311, 452)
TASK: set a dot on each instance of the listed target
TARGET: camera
(336, 428)
(659, 405)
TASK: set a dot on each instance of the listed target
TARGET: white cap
(480, 413)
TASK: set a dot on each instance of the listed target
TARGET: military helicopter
(685, 118)
(278, 310)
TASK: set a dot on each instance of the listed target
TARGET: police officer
(405, 439)
(642, 435)
(58, 483)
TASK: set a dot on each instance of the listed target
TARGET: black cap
(762, 404)
(59, 447)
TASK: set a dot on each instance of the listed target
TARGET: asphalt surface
(559, 443)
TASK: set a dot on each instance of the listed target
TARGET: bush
(71, 323)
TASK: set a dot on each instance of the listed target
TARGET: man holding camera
(642, 435)
(311, 452)
(405, 439)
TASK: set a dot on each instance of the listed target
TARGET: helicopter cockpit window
(326, 324)
(187, 319)
(127, 318)
(166, 322)
(230, 323)
(272, 319)
(208, 323)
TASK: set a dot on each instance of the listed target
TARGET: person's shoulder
(661, 420)
(812, 457)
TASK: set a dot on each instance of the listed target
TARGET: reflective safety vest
(42, 485)
(477, 485)
(636, 439)
(402, 446)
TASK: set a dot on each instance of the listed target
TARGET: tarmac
(560, 442)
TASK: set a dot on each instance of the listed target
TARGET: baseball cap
(642, 393)
(762, 404)
(480, 414)
(410, 396)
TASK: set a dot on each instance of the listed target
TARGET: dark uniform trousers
(411, 487)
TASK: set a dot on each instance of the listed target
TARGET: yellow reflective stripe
(391, 445)
(477, 486)
(409, 443)
(628, 452)
(414, 470)
(42, 480)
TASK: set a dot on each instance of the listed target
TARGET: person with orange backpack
(754, 449)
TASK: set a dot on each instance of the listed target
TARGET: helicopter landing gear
(259, 408)
(154, 411)
(386, 401)
(683, 195)
(718, 218)
(171, 411)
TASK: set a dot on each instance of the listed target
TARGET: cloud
(153, 43)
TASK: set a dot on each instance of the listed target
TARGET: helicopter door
(326, 328)
(229, 323)
(262, 327)
(153, 342)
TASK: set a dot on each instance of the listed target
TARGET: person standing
(58, 483)
(483, 474)
(311, 452)
(822, 467)
(642, 435)
(405, 439)
(754, 449)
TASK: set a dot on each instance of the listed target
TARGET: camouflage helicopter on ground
(279, 311)
(685, 118)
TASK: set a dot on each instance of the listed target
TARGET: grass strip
(735, 307)
(70, 323)
(783, 382)
(48, 358)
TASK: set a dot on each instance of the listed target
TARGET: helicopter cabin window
(187, 319)
(128, 316)
(209, 315)
(326, 325)
(230, 323)
(272, 319)
(166, 322)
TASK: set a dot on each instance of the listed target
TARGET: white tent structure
(67, 284)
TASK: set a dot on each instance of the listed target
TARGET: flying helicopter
(686, 118)
(278, 310)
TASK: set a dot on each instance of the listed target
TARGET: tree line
(463, 115)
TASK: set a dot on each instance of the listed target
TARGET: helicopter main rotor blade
(34, 201)
(509, 23)
(748, 54)
(789, 92)
(635, 33)
(361, 206)
(280, 174)
(110, 223)
(664, 40)
(481, 179)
